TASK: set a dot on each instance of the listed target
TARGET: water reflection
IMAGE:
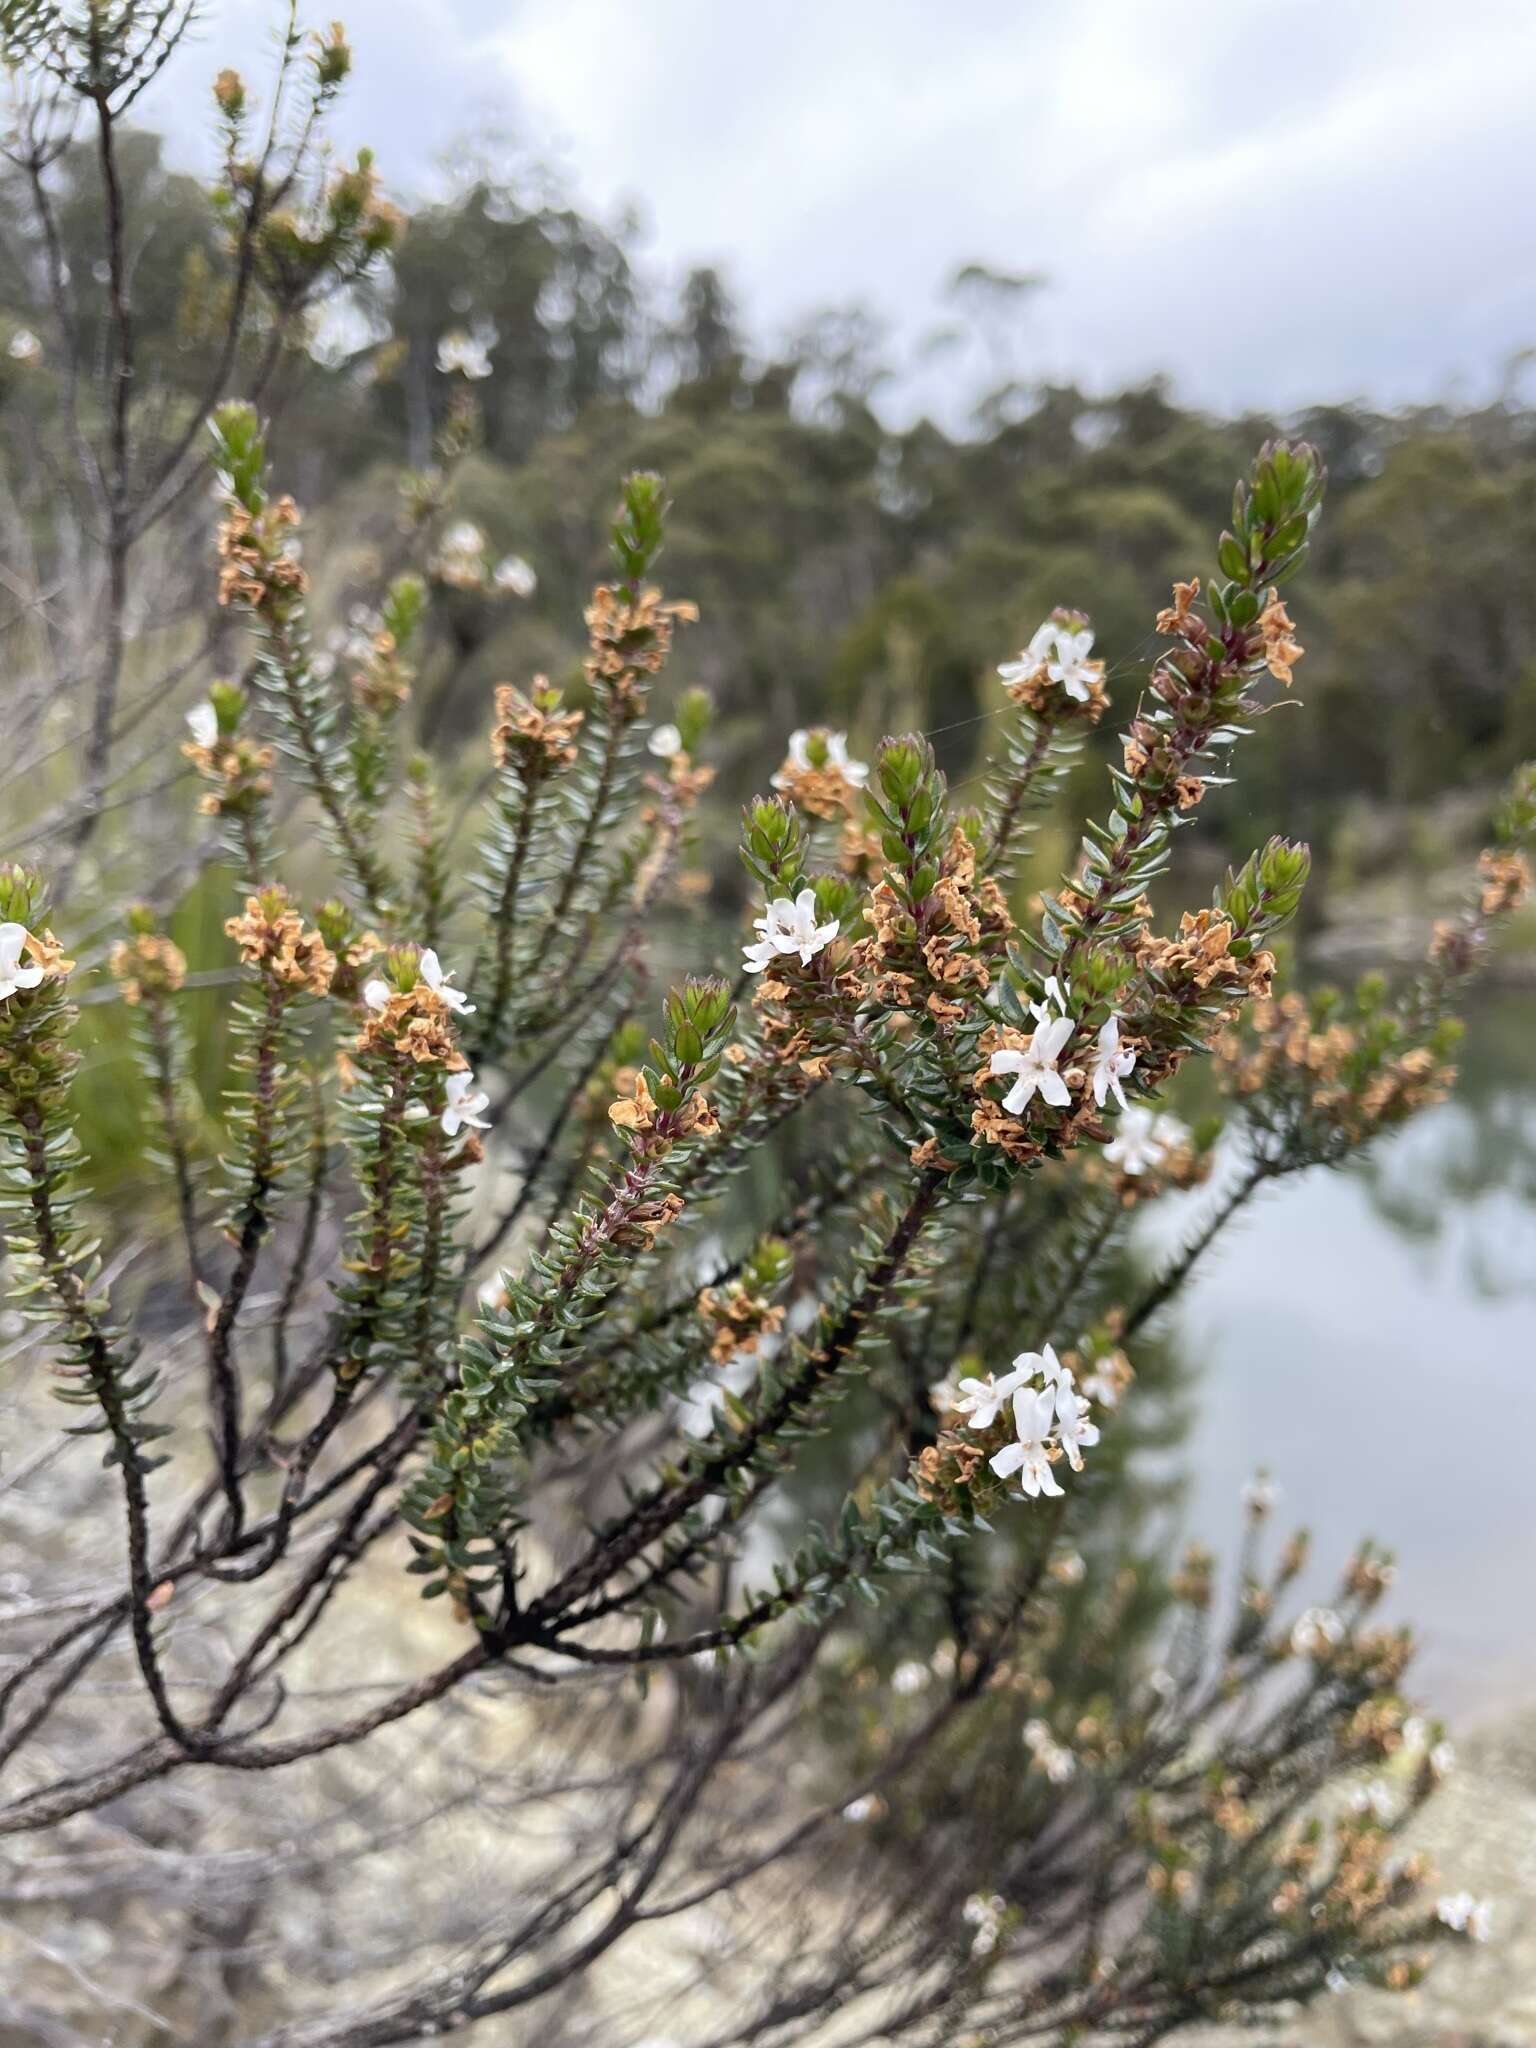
(1369, 1336)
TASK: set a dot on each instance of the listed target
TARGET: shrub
(1079, 1817)
(746, 1374)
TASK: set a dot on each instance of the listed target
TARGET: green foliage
(829, 1217)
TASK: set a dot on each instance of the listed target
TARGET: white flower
(13, 976)
(1058, 1763)
(1072, 1424)
(24, 346)
(789, 928)
(835, 744)
(1316, 1632)
(1051, 1369)
(1054, 992)
(985, 1915)
(909, 1678)
(1072, 667)
(1374, 1799)
(1260, 1494)
(1036, 1067)
(516, 576)
(1466, 1915)
(462, 353)
(376, 993)
(492, 1293)
(463, 538)
(664, 742)
(1052, 1757)
(1107, 1381)
(982, 1401)
(465, 1103)
(1143, 1139)
(1442, 1759)
(1033, 658)
(1109, 1065)
(432, 974)
(1069, 1569)
(1032, 1418)
(203, 724)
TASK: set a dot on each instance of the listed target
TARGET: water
(1370, 1337)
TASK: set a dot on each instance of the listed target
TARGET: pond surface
(1369, 1336)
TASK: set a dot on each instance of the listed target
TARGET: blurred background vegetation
(853, 573)
(847, 572)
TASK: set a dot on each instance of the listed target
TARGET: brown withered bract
(535, 732)
(271, 936)
(629, 642)
(1281, 649)
(147, 963)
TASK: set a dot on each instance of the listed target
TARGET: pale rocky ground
(97, 1946)
(1481, 1831)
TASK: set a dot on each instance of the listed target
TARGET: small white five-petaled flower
(1465, 1915)
(789, 927)
(1072, 1424)
(515, 576)
(1143, 1139)
(1110, 1064)
(1316, 1632)
(1034, 657)
(1072, 667)
(1052, 991)
(982, 1401)
(836, 744)
(1260, 1494)
(1029, 1455)
(1051, 1756)
(462, 353)
(463, 539)
(431, 971)
(377, 993)
(203, 724)
(465, 1104)
(1374, 1799)
(13, 976)
(1035, 1067)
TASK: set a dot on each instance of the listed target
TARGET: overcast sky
(1275, 203)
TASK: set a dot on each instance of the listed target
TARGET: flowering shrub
(748, 1375)
(563, 1368)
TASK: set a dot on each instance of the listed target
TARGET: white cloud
(1275, 203)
